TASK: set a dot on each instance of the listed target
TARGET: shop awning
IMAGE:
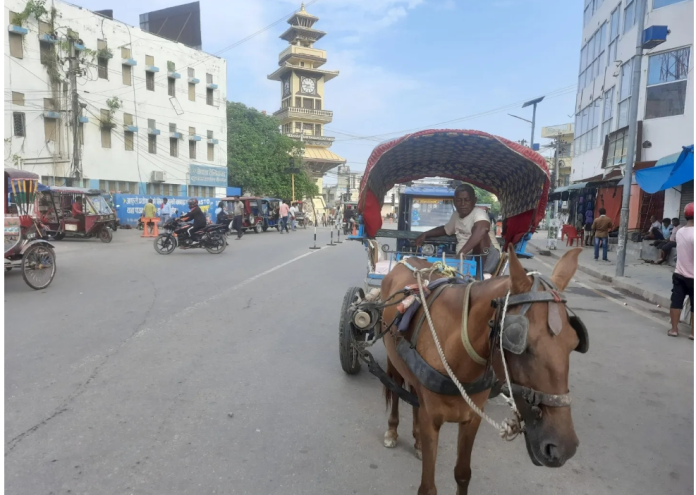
(670, 171)
(571, 187)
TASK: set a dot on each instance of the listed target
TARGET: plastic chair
(573, 235)
(564, 230)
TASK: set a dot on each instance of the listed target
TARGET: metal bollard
(332, 242)
(338, 233)
(315, 239)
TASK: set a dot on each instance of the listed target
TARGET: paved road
(135, 373)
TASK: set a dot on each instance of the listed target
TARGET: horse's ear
(565, 268)
(518, 277)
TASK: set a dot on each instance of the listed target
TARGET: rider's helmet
(192, 203)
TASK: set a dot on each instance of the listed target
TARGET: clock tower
(302, 113)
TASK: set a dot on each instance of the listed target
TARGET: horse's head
(538, 336)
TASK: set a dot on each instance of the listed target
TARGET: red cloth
(516, 227)
(76, 209)
(372, 217)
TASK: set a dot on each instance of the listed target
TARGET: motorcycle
(211, 238)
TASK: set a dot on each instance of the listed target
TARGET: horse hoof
(419, 454)
(389, 441)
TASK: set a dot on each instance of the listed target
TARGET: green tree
(258, 155)
(486, 198)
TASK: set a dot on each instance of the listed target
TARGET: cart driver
(471, 225)
(196, 214)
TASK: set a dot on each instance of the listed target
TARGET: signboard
(203, 175)
(129, 207)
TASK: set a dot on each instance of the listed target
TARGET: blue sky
(405, 64)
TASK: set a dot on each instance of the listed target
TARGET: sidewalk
(650, 282)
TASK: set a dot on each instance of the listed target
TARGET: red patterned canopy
(518, 176)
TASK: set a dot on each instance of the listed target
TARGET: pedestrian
(283, 212)
(600, 229)
(238, 221)
(323, 219)
(293, 213)
(683, 276)
(665, 247)
(150, 211)
(165, 211)
(666, 228)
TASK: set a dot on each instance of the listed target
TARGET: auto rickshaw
(253, 218)
(300, 216)
(75, 212)
(26, 245)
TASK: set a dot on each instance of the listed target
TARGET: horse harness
(513, 337)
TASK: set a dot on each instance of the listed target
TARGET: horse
(542, 364)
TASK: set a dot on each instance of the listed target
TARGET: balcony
(298, 52)
(288, 113)
(311, 139)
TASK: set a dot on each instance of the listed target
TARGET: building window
(607, 113)
(592, 57)
(150, 81)
(613, 36)
(629, 15)
(128, 139)
(192, 92)
(192, 144)
(152, 144)
(127, 119)
(587, 127)
(211, 148)
(18, 120)
(666, 92)
(663, 3)
(591, 7)
(16, 46)
(617, 148)
(102, 62)
(47, 53)
(126, 74)
(17, 98)
(209, 79)
(624, 94)
(149, 60)
(208, 96)
(171, 86)
(173, 147)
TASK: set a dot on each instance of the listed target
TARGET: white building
(152, 112)
(665, 100)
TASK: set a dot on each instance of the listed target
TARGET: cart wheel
(105, 235)
(265, 226)
(216, 245)
(346, 333)
(258, 228)
(38, 266)
(165, 244)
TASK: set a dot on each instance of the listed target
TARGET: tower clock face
(286, 87)
(308, 85)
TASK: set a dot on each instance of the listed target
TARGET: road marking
(637, 311)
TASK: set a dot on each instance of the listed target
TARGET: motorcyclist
(195, 214)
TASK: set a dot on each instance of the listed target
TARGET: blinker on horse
(541, 334)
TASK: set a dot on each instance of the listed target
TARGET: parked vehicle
(350, 216)
(253, 218)
(26, 244)
(301, 219)
(271, 207)
(109, 198)
(75, 212)
(211, 238)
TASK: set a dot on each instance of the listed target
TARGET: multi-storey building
(303, 112)
(562, 136)
(665, 99)
(151, 115)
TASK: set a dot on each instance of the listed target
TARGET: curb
(624, 283)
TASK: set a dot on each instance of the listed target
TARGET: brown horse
(543, 366)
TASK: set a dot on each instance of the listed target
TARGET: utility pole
(636, 63)
(76, 165)
(534, 105)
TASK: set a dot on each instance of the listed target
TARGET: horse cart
(462, 327)
(26, 244)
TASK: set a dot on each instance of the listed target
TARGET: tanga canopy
(518, 176)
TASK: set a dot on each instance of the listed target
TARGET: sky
(405, 65)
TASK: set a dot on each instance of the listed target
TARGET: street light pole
(534, 106)
(636, 62)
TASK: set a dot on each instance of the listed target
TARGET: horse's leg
(462, 471)
(416, 429)
(391, 435)
(429, 433)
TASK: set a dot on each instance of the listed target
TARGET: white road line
(661, 322)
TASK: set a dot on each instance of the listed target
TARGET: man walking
(683, 276)
(238, 220)
(293, 212)
(600, 229)
(284, 211)
(150, 211)
(165, 211)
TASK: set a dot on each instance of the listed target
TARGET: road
(135, 373)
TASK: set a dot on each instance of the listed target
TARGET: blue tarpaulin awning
(670, 171)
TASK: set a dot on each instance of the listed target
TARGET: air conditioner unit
(158, 176)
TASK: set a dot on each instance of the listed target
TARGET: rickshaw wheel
(105, 234)
(346, 333)
(217, 245)
(258, 228)
(265, 226)
(165, 244)
(39, 266)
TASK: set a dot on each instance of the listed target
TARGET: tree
(258, 155)
(486, 198)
